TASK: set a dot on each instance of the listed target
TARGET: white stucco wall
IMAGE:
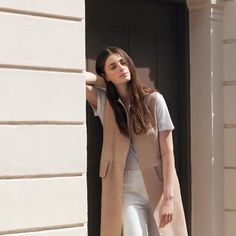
(42, 118)
(230, 117)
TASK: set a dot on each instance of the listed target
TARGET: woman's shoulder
(154, 96)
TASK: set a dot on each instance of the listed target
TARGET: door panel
(143, 48)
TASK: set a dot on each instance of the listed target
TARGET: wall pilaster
(206, 116)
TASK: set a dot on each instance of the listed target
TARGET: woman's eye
(123, 62)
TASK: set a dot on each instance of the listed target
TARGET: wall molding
(205, 10)
(198, 11)
(217, 10)
(229, 83)
(229, 126)
(218, 4)
(40, 68)
(230, 167)
(40, 14)
(38, 229)
(229, 41)
(230, 210)
(41, 122)
(42, 176)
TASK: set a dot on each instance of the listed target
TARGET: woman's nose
(120, 66)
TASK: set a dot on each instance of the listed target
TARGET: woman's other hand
(166, 212)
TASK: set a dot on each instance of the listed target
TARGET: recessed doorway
(155, 34)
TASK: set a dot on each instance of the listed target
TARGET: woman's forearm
(168, 175)
(94, 80)
(168, 163)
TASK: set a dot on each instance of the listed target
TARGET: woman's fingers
(169, 218)
(165, 219)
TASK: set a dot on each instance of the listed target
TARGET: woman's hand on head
(166, 212)
(94, 80)
(90, 78)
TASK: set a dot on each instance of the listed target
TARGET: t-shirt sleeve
(98, 111)
(163, 116)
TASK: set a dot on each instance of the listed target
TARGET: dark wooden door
(155, 34)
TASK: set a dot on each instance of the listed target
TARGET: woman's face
(116, 69)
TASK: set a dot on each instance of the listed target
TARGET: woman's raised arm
(91, 81)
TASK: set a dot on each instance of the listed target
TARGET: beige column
(206, 116)
(229, 50)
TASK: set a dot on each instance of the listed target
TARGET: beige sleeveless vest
(114, 152)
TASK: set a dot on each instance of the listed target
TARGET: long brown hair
(140, 113)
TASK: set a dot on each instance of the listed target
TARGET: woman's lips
(124, 74)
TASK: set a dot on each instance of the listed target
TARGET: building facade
(43, 156)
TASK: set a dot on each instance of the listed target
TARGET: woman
(140, 189)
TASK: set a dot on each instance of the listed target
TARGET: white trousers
(137, 218)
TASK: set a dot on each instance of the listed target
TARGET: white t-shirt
(163, 117)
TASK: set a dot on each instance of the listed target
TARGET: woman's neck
(123, 93)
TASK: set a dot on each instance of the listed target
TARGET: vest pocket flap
(159, 171)
(103, 168)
